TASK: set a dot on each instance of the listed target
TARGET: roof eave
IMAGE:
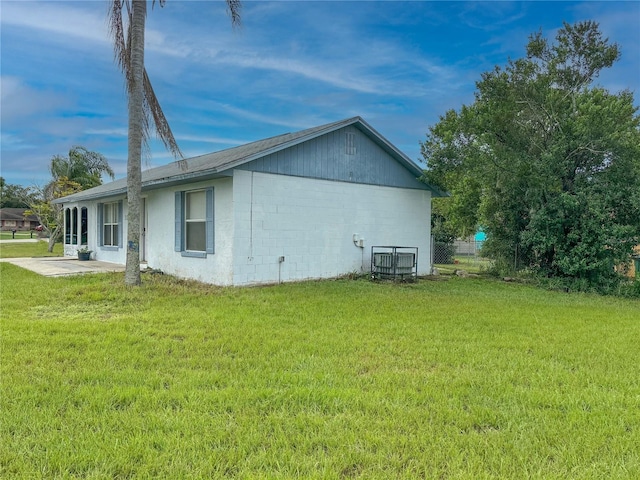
(146, 185)
(90, 196)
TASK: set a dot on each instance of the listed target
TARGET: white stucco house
(302, 205)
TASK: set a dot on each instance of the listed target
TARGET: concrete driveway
(62, 266)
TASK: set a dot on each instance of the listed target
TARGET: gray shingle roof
(221, 162)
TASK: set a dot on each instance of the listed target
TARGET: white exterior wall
(108, 254)
(104, 254)
(260, 217)
(312, 223)
(216, 268)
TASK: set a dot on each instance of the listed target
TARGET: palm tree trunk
(134, 169)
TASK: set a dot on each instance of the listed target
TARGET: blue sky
(292, 65)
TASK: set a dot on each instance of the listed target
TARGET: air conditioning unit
(394, 262)
(383, 262)
(405, 263)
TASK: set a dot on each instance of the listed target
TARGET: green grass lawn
(465, 378)
(468, 263)
(20, 235)
(29, 249)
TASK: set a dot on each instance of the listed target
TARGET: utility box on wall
(394, 263)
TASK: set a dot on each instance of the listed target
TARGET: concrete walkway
(62, 266)
(23, 240)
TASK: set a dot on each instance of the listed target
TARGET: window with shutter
(194, 225)
(110, 222)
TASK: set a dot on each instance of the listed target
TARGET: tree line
(546, 162)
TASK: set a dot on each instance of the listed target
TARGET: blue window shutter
(100, 225)
(209, 227)
(178, 222)
(120, 222)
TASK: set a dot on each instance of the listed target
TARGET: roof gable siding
(326, 158)
(318, 152)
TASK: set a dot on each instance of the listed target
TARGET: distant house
(296, 206)
(14, 219)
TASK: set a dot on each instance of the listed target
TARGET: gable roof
(221, 163)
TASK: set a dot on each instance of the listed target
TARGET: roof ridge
(221, 162)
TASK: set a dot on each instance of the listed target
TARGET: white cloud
(58, 18)
(293, 65)
(13, 142)
(337, 51)
(210, 139)
(269, 119)
(107, 132)
(66, 21)
(19, 100)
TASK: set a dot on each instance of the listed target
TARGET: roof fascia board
(202, 175)
(96, 196)
(148, 185)
(393, 150)
(388, 146)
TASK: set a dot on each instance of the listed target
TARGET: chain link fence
(444, 253)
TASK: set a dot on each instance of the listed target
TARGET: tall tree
(12, 196)
(81, 166)
(546, 161)
(81, 170)
(49, 214)
(143, 104)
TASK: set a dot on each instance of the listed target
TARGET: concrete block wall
(312, 223)
(215, 268)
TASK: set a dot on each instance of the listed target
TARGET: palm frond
(117, 31)
(163, 129)
(151, 107)
(233, 9)
(152, 111)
